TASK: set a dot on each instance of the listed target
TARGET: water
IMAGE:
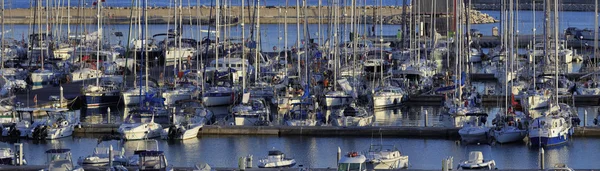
(320, 152)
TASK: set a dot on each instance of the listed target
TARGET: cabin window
(343, 167)
(354, 167)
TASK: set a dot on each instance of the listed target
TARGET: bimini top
(57, 151)
(275, 153)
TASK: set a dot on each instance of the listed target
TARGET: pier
(330, 131)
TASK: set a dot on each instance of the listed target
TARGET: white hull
(170, 99)
(140, 135)
(179, 54)
(383, 164)
(56, 133)
(140, 131)
(472, 135)
(353, 121)
(386, 101)
(337, 101)
(301, 123)
(186, 134)
(129, 100)
(508, 136)
(279, 164)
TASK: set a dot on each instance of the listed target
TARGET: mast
(298, 35)
(243, 50)
(99, 39)
(2, 41)
(145, 34)
(556, 58)
(285, 41)
(218, 32)
(595, 35)
(257, 66)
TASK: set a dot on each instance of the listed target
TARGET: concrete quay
(391, 131)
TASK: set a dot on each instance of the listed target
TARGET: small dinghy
(476, 162)
(276, 159)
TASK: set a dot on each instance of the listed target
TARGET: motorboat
(388, 96)
(353, 161)
(352, 115)
(58, 125)
(7, 157)
(153, 160)
(136, 128)
(21, 123)
(182, 52)
(476, 162)
(554, 127)
(475, 131)
(60, 160)
(385, 157)
(253, 112)
(101, 154)
(276, 159)
(301, 114)
(187, 123)
(232, 66)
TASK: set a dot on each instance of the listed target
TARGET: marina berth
(174, 83)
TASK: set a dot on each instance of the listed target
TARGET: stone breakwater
(163, 15)
(538, 7)
(475, 17)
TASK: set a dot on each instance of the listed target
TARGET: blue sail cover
(452, 87)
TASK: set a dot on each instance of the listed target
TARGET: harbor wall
(386, 131)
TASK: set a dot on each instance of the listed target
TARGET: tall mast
(2, 41)
(556, 58)
(285, 39)
(243, 49)
(218, 32)
(256, 62)
(595, 35)
(298, 35)
(99, 39)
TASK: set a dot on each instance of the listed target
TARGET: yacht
(353, 161)
(476, 162)
(385, 157)
(276, 159)
(231, 66)
(8, 157)
(301, 114)
(336, 99)
(133, 97)
(107, 92)
(60, 160)
(253, 112)
(218, 96)
(174, 52)
(57, 125)
(509, 128)
(179, 93)
(101, 154)
(474, 131)
(538, 51)
(352, 115)
(187, 123)
(554, 127)
(388, 96)
(136, 128)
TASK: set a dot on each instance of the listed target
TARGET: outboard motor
(173, 132)
(13, 132)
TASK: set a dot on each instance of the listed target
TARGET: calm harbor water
(320, 152)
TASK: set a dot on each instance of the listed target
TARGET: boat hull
(383, 164)
(386, 101)
(101, 99)
(337, 101)
(503, 137)
(547, 141)
(217, 101)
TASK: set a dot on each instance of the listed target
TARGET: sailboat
(187, 123)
